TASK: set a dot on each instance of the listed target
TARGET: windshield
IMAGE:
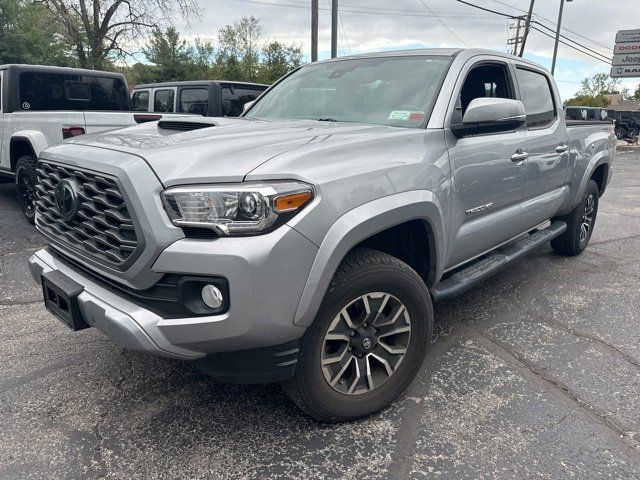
(396, 91)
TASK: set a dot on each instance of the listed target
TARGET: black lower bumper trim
(259, 365)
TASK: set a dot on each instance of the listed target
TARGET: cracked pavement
(536, 373)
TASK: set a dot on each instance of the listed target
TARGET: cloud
(370, 25)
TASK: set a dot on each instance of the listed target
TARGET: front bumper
(266, 276)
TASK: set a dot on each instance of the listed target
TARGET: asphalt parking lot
(536, 374)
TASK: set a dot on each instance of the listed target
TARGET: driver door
(487, 179)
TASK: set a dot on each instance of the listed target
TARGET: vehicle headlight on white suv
(236, 209)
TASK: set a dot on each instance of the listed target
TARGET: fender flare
(359, 224)
(35, 138)
(595, 162)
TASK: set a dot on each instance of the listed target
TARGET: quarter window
(140, 101)
(234, 98)
(163, 101)
(194, 100)
(537, 97)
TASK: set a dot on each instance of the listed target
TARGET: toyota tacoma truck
(304, 242)
(42, 105)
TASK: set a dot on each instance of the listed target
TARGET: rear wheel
(368, 341)
(26, 185)
(580, 223)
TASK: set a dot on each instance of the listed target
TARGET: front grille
(102, 228)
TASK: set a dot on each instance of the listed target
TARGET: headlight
(236, 209)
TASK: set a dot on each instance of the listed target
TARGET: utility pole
(314, 30)
(515, 45)
(555, 47)
(334, 28)
(527, 26)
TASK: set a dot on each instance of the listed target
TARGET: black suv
(210, 98)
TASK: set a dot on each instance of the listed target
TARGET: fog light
(212, 296)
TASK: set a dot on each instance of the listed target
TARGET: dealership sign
(624, 36)
(631, 47)
(631, 71)
(626, 58)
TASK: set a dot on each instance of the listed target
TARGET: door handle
(561, 148)
(519, 156)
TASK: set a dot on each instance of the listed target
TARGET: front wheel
(580, 223)
(368, 341)
(26, 186)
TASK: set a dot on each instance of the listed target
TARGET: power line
(608, 47)
(571, 40)
(443, 24)
(608, 62)
(362, 10)
(601, 57)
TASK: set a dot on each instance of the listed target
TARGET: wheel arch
(417, 212)
(26, 142)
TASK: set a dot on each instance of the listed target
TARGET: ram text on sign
(633, 47)
(631, 71)
(626, 59)
(628, 36)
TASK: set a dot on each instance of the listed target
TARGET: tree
(636, 94)
(279, 59)
(588, 101)
(600, 84)
(28, 34)
(170, 54)
(238, 55)
(100, 30)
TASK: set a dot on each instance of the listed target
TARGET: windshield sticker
(399, 115)
(406, 115)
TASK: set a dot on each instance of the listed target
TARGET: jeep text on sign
(628, 36)
(626, 59)
(632, 47)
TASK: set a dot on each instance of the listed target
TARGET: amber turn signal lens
(288, 203)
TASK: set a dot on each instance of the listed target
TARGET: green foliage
(599, 84)
(28, 34)
(588, 101)
(32, 33)
(636, 94)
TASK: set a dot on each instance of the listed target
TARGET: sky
(375, 25)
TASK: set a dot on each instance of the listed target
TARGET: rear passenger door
(546, 169)
(164, 100)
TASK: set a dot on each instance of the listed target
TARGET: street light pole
(555, 47)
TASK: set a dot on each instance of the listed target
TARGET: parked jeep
(305, 242)
(208, 98)
(41, 105)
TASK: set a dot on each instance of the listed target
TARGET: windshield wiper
(327, 120)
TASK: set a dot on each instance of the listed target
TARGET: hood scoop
(184, 126)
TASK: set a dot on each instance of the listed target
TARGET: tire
(388, 284)
(580, 223)
(26, 180)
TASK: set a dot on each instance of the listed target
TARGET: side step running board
(480, 270)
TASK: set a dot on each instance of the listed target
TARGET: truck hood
(228, 149)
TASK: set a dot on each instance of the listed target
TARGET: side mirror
(248, 105)
(490, 115)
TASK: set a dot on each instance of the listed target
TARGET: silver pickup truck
(304, 242)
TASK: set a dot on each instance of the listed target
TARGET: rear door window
(194, 100)
(537, 96)
(56, 91)
(140, 101)
(234, 98)
(164, 100)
